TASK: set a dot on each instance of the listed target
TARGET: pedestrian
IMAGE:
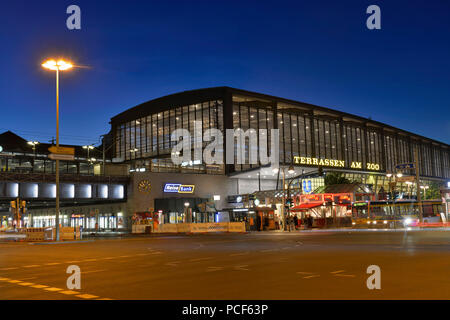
(295, 221)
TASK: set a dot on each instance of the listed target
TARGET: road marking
(200, 259)
(303, 272)
(156, 252)
(93, 271)
(313, 276)
(345, 275)
(87, 296)
(108, 258)
(123, 256)
(338, 271)
(69, 292)
(173, 263)
(53, 289)
(26, 283)
(238, 254)
(32, 266)
(88, 260)
(241, 268)
(4, 269)
(52, 263)
(212, 269)
(74, 261)
(39, 286)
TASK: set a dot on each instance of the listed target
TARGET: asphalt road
(301, 265)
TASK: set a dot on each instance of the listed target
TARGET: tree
(433, 191)
(335, 178)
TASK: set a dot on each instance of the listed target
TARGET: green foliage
(433, 192)
(335, 178)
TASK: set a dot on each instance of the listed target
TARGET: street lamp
(88, 147)
(59, 65)
(33, 146)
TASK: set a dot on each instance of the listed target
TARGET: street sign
(62, 150)
(405, 166)
(61, 156)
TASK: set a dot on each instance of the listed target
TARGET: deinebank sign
(334, 163)
(179, 188)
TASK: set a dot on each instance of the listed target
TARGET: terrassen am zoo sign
(334, 163)
(179, 188)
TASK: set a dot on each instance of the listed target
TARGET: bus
(398, 213)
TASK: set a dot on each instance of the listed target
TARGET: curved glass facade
(310, 136)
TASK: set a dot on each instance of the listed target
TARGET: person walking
(295, 222)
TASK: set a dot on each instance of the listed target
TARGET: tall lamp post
(57, 66)
(33, 146)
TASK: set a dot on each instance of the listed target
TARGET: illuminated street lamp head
(60, 65)
(291, 170)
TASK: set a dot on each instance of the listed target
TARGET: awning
(305, 206)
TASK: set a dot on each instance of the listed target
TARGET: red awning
(306, 206)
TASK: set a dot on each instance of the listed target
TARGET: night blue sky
(318, 52)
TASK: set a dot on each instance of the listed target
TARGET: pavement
(330, 264)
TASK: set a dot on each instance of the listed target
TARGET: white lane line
(4, 269)
(312, 276)
(173, 263)
(92, 271)
(73, 261)
(39, 286)
(338, 271)
(200, 259)
(303, 272)
(241, 268)
(89, 260)
(32, 266)
(345, 275)
(52, 263)
(212, 269)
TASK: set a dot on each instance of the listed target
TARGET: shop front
(324, 210)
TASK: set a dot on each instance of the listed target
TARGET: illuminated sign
(307, 187)
(178, 188)
(319, 162)
(334, 163)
